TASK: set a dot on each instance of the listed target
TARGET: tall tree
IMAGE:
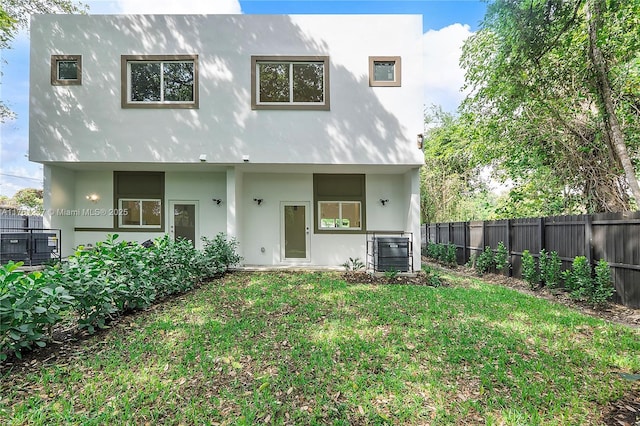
(451, 188)
(14, 16)
(547, 95)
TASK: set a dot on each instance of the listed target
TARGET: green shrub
(603, 288)
(595, 290)
(353, 264)
(529, 272)
(550, 274)
(485, 261)
(451, 257)
(433, 276)
(217, 256)
(578, 279)
(391, 274)
(29, 307)
(501, 258)
(175, 264)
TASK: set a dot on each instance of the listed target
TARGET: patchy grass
(311, 349)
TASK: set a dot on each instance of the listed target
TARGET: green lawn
(310, 349)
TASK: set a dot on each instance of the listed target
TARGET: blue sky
(446, 24)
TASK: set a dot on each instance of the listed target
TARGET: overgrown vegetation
(307, 348)
(96, 284)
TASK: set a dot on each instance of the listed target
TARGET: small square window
(384, 71)
(66, 70)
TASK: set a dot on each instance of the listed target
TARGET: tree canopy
(554, 103)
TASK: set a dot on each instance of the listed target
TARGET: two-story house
(279, 131)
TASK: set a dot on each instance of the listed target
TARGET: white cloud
(443, 76)
(178, 7)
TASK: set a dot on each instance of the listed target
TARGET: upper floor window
(384, 71)
(159, 81)
(66, 70)
(290, 82)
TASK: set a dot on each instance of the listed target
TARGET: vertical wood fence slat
(614, 237)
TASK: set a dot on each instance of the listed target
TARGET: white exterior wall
(85, 123)
(82, 134)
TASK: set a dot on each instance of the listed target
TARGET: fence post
(588, 247)
(541, 233)
(508, 247)
(465, 244)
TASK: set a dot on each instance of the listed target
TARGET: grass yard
(285, 348)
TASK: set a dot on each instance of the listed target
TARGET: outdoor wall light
(94, 198)
(420, 141)
(384, 201)
(203, 157)
(218, 201)
(258, 200)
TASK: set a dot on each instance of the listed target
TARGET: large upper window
(340, 201)
(290, 82)
(66, 70)
(156, 81)
(384, 71)
(139, 200)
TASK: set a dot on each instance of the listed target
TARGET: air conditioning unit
(391, 254)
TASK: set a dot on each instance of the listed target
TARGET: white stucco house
(276, 130)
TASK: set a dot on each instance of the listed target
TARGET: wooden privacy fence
(614, 237)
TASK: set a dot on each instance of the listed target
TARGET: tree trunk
(611, 123)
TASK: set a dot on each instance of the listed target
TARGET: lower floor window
(339, 214)
(140, 213)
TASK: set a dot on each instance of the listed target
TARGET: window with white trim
(340, 201)
(139, 200)
(145, 213)
(290, 82)
(155, 81)
(340, 215)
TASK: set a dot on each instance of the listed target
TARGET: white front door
(295, 231)
(183, 220)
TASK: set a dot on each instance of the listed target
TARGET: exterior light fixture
(94, 198)
(258, 200)
(384, 201)
(218, 201)
(420, 140)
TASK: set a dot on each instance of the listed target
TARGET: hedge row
(97, 284)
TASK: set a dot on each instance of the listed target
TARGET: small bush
(552, 275)
(529, 272)
(595, 290)
(451, 257)
(433, 276)
(603, 289)
(501, 258)
(390, 274)
(217, 256)
(353, 264)
(485, 261)
(578, 279)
